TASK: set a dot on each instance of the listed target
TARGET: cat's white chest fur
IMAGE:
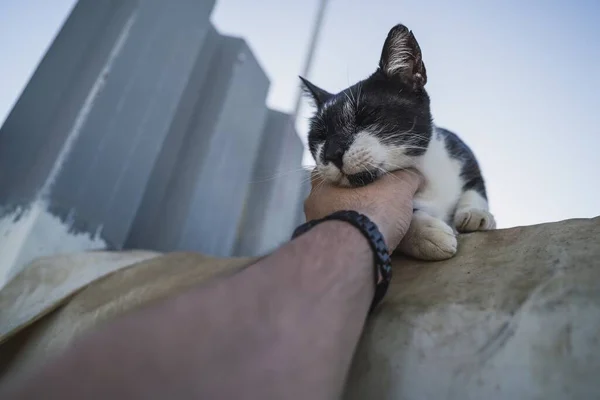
(443, 184)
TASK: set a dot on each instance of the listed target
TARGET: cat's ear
(401, 57)
(318, 95)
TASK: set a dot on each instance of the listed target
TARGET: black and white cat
(384, 123)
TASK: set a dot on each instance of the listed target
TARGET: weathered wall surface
(276, 189)
(515, 315)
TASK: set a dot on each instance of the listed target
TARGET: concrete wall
(206, 192)
(514, 315)
(141, 127)
(274, 192)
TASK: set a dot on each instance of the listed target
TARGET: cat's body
(384, 123)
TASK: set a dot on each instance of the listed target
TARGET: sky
(519, 81)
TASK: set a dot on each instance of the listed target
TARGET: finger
(411, 178)
(406, 180)
(407, 172)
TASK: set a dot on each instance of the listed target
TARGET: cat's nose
(334, 153)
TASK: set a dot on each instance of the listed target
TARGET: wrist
(385, 228)
(370, 232)
(352, 238)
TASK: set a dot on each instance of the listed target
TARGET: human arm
(285, 327)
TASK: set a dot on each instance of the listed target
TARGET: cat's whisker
(348, 77)
(413, 148)
(368, 169)
(402, 142)
(359, 90)
(373, 166)
(407, 140)
(319, 185)
(357, 96)
(407, 147)
(411, 132)
(399, 168)
(394, 165)
(282, 173)
(414, 123)
(412, 135)
(385, 172)
(315, 173)
(353, 99)
(307, 179)
(349, 98)
(417, 139)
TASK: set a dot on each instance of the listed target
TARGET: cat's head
(379, 124)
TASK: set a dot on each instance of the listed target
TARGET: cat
(382, 124)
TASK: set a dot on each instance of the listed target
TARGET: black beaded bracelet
(383, 264)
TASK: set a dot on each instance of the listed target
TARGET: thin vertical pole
(311, 52)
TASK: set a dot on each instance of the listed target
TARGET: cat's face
(378, 125)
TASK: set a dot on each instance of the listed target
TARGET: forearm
(285, 327)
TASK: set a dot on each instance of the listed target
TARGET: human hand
(387, 202)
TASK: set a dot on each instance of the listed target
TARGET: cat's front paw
(429, 238)
(474, 219)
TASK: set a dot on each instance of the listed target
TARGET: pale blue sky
(518, 80)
